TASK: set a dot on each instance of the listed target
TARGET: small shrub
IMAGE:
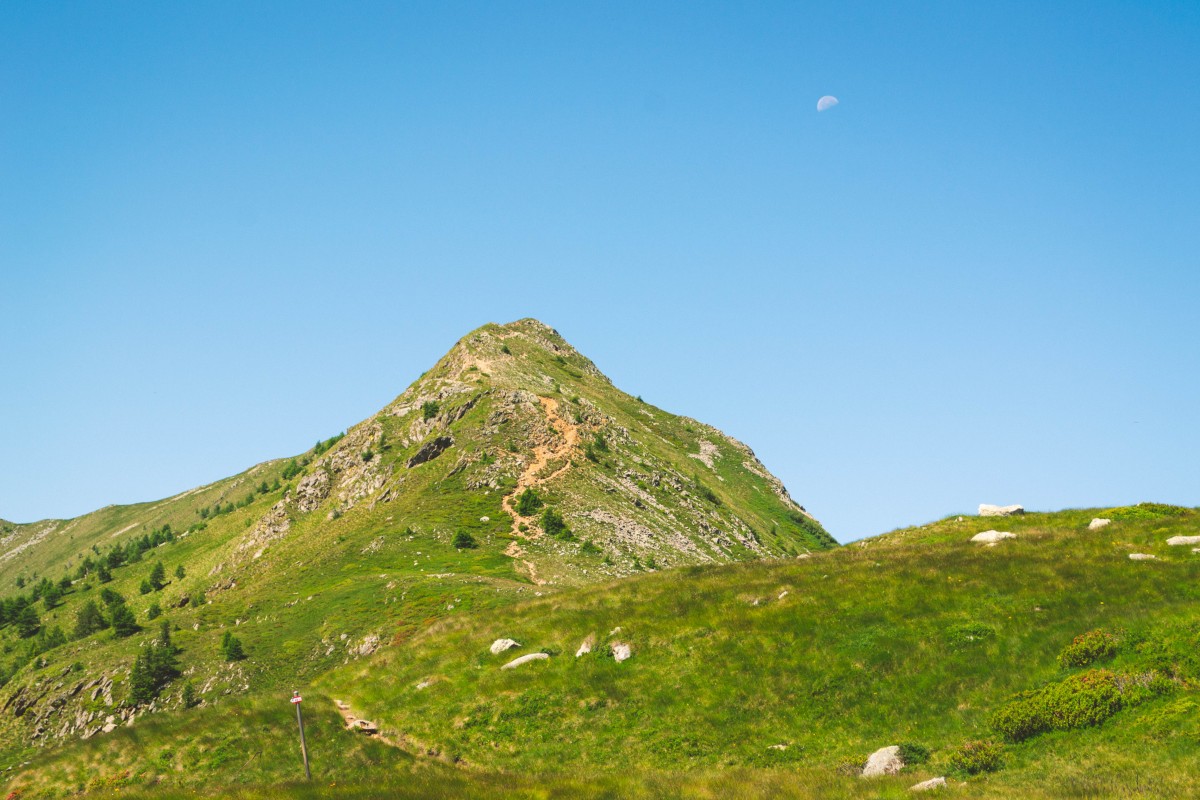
(1088, 648)
(154, 611)
(528, 503)
(429, 409)
(1145, 511)
(976, 757)
(465, 541)
(553, 525)
(913, 754)
(589, 548)
(367, 455)
(504, 349)
(962, 636)
(231, 648)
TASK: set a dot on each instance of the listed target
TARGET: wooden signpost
(296, 698)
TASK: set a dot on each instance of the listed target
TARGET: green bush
(975, 757)
(553, 525)
(1088, 648)
(528, 503)
(913, 754)
(1080, 701)
(465, 541)
(429, 409)
(1145, 511)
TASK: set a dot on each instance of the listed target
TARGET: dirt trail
(352, 723)
(568, 433)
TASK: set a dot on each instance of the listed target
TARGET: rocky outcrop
(312, 490)
(986, 510)
(430, 450)
(1098, 523)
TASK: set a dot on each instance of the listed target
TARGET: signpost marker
(300, 721)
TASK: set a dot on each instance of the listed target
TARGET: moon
(826, 102)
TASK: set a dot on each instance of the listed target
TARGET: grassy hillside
(512, 469)
(919, 638)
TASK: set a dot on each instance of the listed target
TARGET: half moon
(826, 102)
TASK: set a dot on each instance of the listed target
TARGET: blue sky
(228, 229)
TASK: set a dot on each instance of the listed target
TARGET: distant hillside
(512, 467)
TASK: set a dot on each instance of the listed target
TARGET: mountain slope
(417, 514)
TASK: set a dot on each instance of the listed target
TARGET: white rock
(485, 519)
(1098, 523)
(1141, 557)
(621, 651)
(986, 510)
(500, 645)
(777, 747)
(424, 685)
(585, 647)
(932, 783)
(516, 662)
(783, 594)
(1178, 540)
(992, 536)
(884, 761)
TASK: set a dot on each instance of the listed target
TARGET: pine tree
(89, 620)
(189, 696)
(28, 622)
(158, 576)
(231, 647)
(154, 611)
(180, 573)
(123, 622)
(102, 572)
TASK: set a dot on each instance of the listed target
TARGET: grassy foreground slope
(918, 637)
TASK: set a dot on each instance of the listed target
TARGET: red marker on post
(296, 698)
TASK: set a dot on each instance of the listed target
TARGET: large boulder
(1098, 523)
(884, 761)
(986, 510)
(1175, 541)
(991, 537)
(500, 645)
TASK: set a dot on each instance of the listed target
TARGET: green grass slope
(373, 536)
(774, 678)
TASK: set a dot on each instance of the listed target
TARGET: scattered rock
(424, 685)
(1175, 541)
(485, 519)
(1141, 557)
(777, 747)
(1098, 523)
(621, 651)
(932, 783)
(884, 761)
(516, 662)
(500, 645)
(366, 726)
(992, 537)
(986, 510)
(585, 646)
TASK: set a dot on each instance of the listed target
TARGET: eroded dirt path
(567, 435)
(354, 723)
